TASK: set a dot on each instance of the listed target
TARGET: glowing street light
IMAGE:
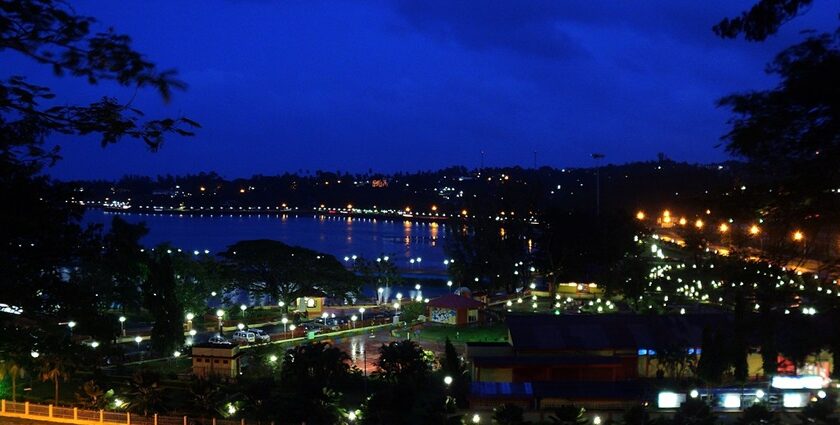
(240, 326)
(699, 224)
(284, 321)
(683, 221)
(475, 418)
(640, 215)
(122, 325)
(220, 314)
(723, 228)
(447, 380)
(449, 284)
(362, 313)
(94, 344)
(798, 236)
(754, 230)
(34, 354)
(353, 319)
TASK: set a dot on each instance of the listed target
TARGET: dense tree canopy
(284, 272)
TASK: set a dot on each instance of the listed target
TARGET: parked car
(218, 339)
(311, 327)
(244, 336)
(261, 335)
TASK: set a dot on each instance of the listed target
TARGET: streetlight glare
(122, 319)
(220, 313)
(190, 316)
(138, 339)
(447, 380)
(640, 215)
(798, 236)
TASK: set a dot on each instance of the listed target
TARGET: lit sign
(669, 400)
(793, 400)
(810, 382)
(731, 401)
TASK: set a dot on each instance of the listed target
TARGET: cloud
(525, 28)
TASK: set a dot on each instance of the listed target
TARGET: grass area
(496, 332)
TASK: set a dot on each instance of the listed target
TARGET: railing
(76, 416)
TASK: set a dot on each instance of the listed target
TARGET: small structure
(453, 309)
(311, 304)
(221, 360)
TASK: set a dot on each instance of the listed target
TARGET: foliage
(55, 368)
(382, 272)
(820, 412)
(762, 20)
(580, 247)
(42, 236)
(14, 368)
(144, 393)
(159, 296)
(283, 272)
(410, 311)
(206, 396)
(91, 396)
(508, 414)
(569, 415)
(758, 414)
(694, 412)
(403, 361)
(311, 367)
(636, 415)
(489, 252)
(452, 365)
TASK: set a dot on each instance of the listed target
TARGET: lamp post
(243, 307)
(220, 313)
(190, 318)
(122, 325)
(353, 320)
(449, 284)
(138, 339)
(379, 291)
(362, 313)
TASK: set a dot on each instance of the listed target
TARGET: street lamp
(94, 344)
(798, 236)
(447, 380)
(362, 313)
(190, 318)
(449, 284)
(284, 321)
(122, 325)
(220, 313)
(240, 326)
(475, 418)
(34, 354)
(353, 319)
(71, 324)
(243, 307)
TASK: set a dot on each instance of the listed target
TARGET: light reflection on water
(337, 235)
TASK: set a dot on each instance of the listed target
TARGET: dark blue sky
(421, 84)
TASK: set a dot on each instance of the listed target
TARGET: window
(310, 303)
(215, 360)
(224, 362)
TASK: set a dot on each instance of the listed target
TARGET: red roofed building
(453, 309)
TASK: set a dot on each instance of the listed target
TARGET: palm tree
(91, 395)
(55, 368)
(14, 369)
(144, 392)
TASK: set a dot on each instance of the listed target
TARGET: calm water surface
(339, 236)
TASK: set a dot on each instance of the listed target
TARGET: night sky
(422, 84)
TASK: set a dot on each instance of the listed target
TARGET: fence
(73, 415)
